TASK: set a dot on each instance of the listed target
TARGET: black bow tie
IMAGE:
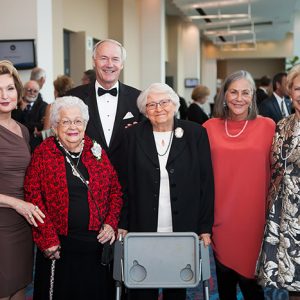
(113, 91)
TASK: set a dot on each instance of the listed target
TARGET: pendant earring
(224, 104)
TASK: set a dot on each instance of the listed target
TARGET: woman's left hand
(205, 237)
(106, 234)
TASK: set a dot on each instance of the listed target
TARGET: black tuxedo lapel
(178, 144)
(146, 141)
(95, 122)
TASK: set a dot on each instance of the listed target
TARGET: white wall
(14, 26)
(44, 46)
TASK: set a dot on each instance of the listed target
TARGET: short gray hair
(37, 74)
(123, 50)
(65, 103)
(157, 88)
(220, 107)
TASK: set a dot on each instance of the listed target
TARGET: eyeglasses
(31, 91)
(163, 104)
(68, 123)
(245, 94)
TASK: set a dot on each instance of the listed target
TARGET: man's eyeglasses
(68, 123)
(163, 104)
(32, 91)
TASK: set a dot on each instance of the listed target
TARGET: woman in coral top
(240, 145)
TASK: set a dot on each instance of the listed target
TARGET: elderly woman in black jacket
(170, 180)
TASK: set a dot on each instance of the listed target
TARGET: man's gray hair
(65, 103)
(37, 74)
(123, 50)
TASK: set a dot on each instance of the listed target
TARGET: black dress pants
(152, 294)
(228, 280)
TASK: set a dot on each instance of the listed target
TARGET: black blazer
(32, 119)
(126, 103)
(190, 177)
(260, 96)
(270, 108)
(196, 114)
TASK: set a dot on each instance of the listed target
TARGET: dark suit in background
(261, 95)
(196, 114)
(270, 108)
(33, 118)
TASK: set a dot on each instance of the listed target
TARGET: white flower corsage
(96, 150)
(179, 132)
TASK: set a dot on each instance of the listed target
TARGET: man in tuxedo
(278, 105)
(112, 104)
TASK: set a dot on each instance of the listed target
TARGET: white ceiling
(270, 19)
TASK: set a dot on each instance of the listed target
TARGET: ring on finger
(36, 207)
(30, 216)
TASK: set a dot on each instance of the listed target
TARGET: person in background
(71, 179)
(278, 105)
(182, 108)
(16, 215)
(195, 112)
(89, 76)
(169, 177)
(240, 145)
(32, 112)
(39, 75)
(62, 84)
(263, 89)
(279, 264)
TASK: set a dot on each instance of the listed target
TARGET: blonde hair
(6, 67)
(293, 73)
(62, 84)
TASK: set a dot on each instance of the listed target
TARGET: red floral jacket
(46, 186)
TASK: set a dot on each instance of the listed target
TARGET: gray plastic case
(161, 260)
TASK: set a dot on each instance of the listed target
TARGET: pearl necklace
(235, 135)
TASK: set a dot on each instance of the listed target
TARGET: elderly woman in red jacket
(72, 181)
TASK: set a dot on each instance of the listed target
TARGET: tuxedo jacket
(127, 97)
(270, 108)
(190, 180)
(196, 114)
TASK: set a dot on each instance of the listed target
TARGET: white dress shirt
(107, 108)
(279, 101)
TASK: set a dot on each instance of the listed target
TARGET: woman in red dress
(240, 145)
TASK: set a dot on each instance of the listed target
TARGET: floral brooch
(96, 150)
(179, 132)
